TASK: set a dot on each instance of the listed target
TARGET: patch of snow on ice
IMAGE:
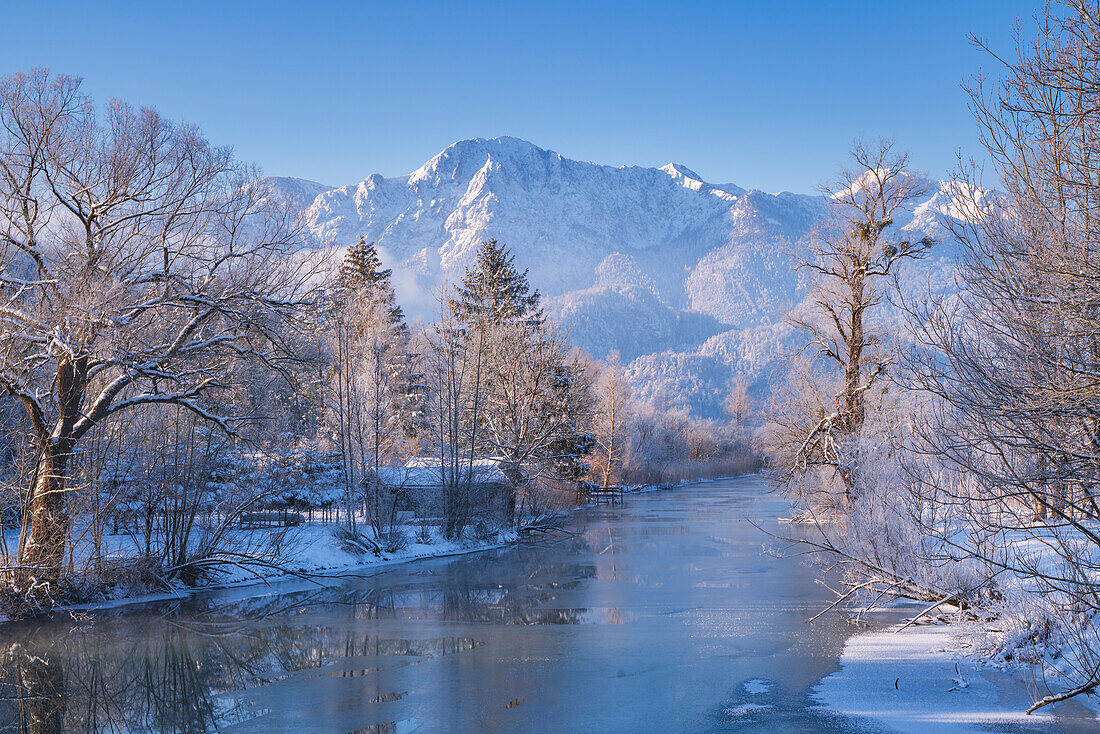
(758, 685)
(913, 682)
(746, 709)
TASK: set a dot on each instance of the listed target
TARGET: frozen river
(659, 615)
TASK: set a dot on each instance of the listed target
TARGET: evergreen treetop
(493, 292)
(362, 273)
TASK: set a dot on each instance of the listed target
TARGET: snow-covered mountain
(688, 280)
(298, 193)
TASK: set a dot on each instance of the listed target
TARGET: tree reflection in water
(190, 672)
(33, 688)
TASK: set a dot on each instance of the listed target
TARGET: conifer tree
(532, 394)
(571, 399)
(493, 292)
(362, 274)
(373, 395)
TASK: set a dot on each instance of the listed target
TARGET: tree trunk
(514, 475)
(45, 548)
(853, 396)
(611, 448)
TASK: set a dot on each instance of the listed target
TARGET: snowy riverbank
(317, 556)
(313, 554)
(927, 678)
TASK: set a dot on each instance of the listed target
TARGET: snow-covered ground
(311, 549)
(923, 679)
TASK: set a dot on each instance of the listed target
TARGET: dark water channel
(652, 616)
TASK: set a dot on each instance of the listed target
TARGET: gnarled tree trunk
(44, 550)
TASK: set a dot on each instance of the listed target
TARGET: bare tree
(740, 407)
(611, 419)
(852, 258)
(1013, 362)
(455, 408)
(536, 399)
(135, 262)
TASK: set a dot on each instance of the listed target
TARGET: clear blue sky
(763, 94)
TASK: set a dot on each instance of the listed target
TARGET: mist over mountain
(688, 280)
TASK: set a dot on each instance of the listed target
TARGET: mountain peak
(692, 180)
(869, 181)
(679, 169)
(654, 263)
(463, 158)
(289, 183)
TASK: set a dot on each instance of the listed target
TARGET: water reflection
(174, 682)
(140, 673)
(644, 618)
(34, 688)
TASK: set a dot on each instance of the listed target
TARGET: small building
(419, 483)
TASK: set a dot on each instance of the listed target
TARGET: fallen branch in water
(1055, 698)
(946, 600)
(543, 524)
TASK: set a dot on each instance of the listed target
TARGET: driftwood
(543, 524)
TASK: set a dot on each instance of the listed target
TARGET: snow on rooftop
(426, 471)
